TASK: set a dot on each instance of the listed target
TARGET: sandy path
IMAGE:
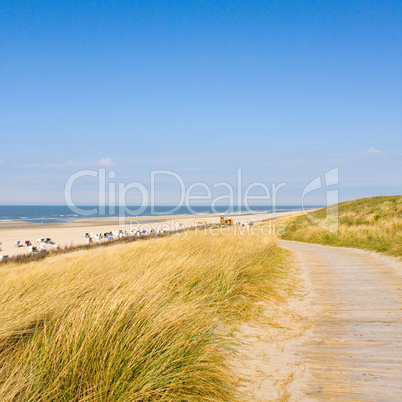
(353, 350)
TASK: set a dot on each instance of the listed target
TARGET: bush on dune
(369, 223)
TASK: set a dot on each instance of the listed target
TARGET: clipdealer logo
(112, 195)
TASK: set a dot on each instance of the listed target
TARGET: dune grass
(369, 223)
(139, 322)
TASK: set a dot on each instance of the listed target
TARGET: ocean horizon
(63, 213)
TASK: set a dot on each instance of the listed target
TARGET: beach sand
(72, 233)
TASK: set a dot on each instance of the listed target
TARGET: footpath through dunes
(353, 350)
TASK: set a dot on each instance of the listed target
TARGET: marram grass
(369, 223)
(141, 322)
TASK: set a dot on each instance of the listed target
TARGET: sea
(51, 213)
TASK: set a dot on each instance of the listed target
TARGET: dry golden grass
(140, 322)
(369, 223)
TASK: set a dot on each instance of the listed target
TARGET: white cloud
(373, 151)
(105, 162)
(63, 165)
(161, 161)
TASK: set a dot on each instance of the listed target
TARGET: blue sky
(284, 90)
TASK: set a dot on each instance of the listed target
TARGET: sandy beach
(73, 233)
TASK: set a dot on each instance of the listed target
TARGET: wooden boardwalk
(353, 351)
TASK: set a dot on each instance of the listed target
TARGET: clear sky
(284, 90)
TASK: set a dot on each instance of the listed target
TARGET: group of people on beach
(120, 234)
(44, 244)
